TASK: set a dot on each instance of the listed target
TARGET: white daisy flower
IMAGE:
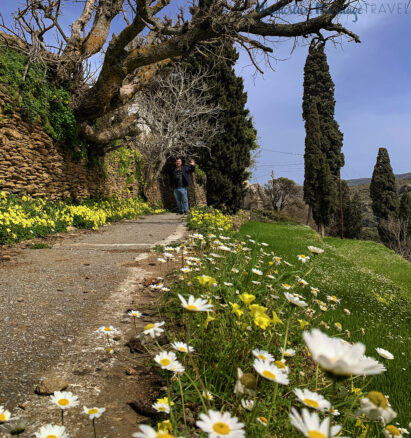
(310, 426)
(153, 329)
(4, 415)
(286, 286)
(135, 313)
(255, 282)
(165, 359)
(207, 395)
(302, 282)
(235, 270)
(295, 300)
(262, 420)
(315, 250)
(185, 270)
(384, 353)
(312, 399)
(51, 431)
(263, 355)
(287, 353)
(226, 283)
(64, 399)
(161, 407)
(256, 271)
(149, 432)
(315, 291)
(195, 304)
(334, 412)
(182, 347)
(246, 383)
(220, 425)
(247, 404)
(347, 312)
(108, 330)
(392, 431)
(161, 260)
(340, 358)
(176, 367)
(93, 412)
(376, 407)
(333, 299)
(271, 372)
(271, 277)
(303, 258)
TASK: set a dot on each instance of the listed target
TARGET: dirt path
(52, 303)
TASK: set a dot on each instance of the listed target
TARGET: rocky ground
(52, 303)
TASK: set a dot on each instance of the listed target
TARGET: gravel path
(51, 297)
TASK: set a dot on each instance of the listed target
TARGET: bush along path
(55, 302)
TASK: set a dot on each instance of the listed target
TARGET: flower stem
(182, 402)
(62, 417)
(94, 428)
(270, 414)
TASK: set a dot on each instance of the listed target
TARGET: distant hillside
(360, 181)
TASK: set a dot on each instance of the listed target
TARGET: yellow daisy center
(92, 411)
(51, 436)
(192, 307)
(311, 403)
(393, 430)
(261, 356)
(162, 408)
(263, 419)
(63, 402)
(315, 434)
(221, 428)
(182, 349)
(2, 417)
(107, 329)
(279, 364)
(269, 375)
(166, 361)
(378, 399)
(164, 435)
(149, 326)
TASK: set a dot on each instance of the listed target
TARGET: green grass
(372, 282)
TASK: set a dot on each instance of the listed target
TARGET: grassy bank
(370, 280)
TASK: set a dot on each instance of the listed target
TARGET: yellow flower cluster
(209, 218)
(24, 217)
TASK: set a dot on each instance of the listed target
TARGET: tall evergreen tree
(319, 189)
(383, 191)
(227, 160)
(355, 218)
(319, 86)
(351, 213)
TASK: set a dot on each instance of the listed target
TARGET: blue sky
(373, 94)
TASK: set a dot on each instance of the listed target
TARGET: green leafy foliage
(38, 100)
(227, 160)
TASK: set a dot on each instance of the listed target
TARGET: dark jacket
(186, 176)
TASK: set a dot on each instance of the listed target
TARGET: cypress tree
(228, 157)
(352, 214)
(355, 217)
(319, 189)
(383, 191)
(319, 86)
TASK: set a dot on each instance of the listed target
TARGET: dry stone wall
(31, 163)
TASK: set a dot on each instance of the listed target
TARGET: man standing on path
(180, 180)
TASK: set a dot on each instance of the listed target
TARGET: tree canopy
(149, 38)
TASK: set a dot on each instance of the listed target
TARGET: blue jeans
(181, 198)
